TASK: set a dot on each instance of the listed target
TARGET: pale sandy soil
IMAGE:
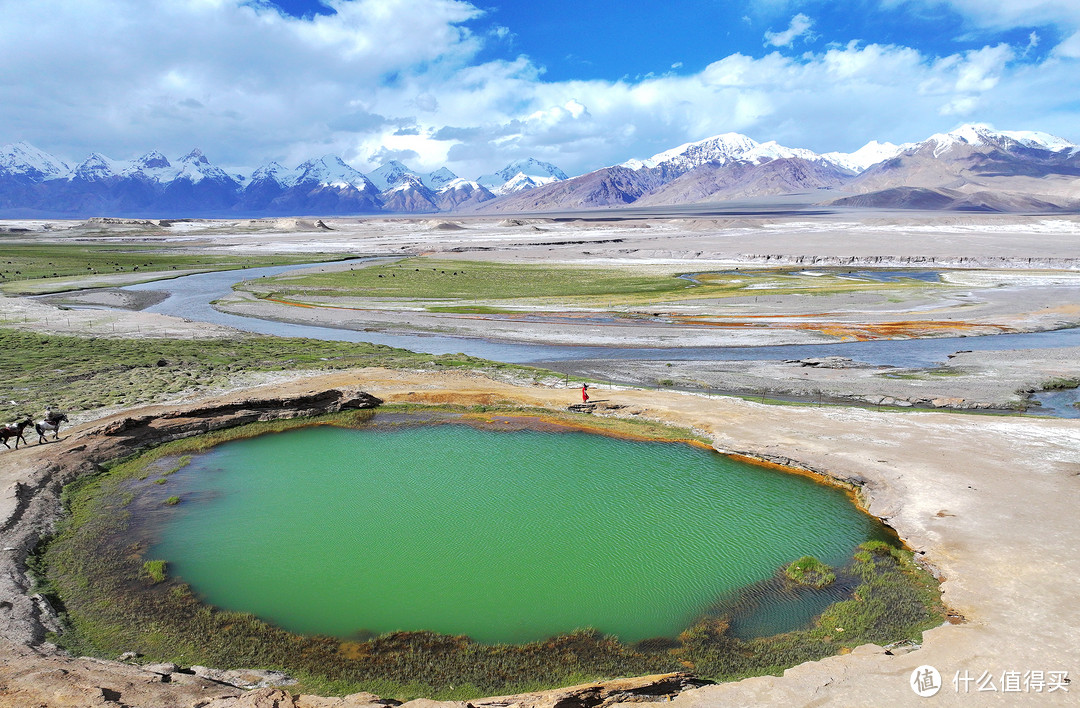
(29, 314)
(988, 503)
(968, 380)
(948, 237)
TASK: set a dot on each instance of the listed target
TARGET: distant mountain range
(35, 183)
(971, 168)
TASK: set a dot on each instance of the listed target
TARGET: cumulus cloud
(402, 79)
(799, 27)
(116, 73)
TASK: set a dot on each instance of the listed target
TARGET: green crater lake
(507, 536)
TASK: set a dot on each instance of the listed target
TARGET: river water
(190, 297)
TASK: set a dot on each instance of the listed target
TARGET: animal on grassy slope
(51, 424)
(14, 430)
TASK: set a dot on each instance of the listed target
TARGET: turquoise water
(506, 536)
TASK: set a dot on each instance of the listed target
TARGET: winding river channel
(190, 297)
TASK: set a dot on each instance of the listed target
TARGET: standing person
(584, 393)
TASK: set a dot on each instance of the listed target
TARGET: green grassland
(113, 599)
(80, 373)
(481, 287)
(32, 267)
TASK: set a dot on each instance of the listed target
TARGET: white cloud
(401, 78)
(1069, 48)
(1008, 14)
(799, 27)
(1033, 41)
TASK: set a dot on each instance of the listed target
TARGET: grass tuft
(810, 571)
(155, 570)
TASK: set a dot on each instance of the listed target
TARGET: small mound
(447, 226)
(112, 221)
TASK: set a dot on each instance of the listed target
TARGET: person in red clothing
(584, 393)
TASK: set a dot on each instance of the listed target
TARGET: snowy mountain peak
(522, 174)
(979, 134)
(408, 182)
(532, 167)
(152, 160)
(870, 154)
(22, 158)
(719, 148)
(97, 167)
(440, 178)
(274, 172)
(152, 166)
(1040, 140)
(517, 183)
(195, 167)
(332, 171)
(772, 150)
(390, 174)
(460, 184)
(196, 156)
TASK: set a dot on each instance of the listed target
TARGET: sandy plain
(1001, 273)
(988, 502)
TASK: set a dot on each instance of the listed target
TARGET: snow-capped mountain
(974, 168)
(409, 195)
(523, 174)
(393, 173)
(195, 167)
(462, 193)
(973, 159)
(390, 174)
(152, 165)
(870, 154)
(722, 150)
(719, 148)
(24, 160)
(979, 135)
(96, 168)
(440, 178)
(971, 167)
(331, 171)
(274, 173)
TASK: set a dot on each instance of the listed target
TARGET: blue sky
(475, 85)
(585, 39)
